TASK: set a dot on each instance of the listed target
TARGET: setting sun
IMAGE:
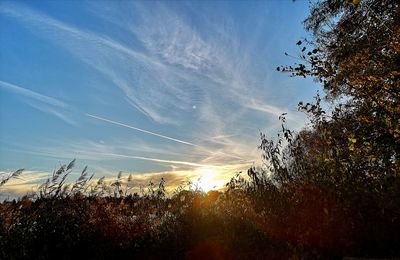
(208, 179)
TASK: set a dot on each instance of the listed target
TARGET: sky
(174, 89)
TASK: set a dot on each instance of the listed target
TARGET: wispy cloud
(209, 152)
(31, 94)
(179, 67)
(40, 102)
(137, 76)
(255, 104)
(201, 80)
(98, 152)
(28, 181)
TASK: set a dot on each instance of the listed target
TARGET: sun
(208, 179)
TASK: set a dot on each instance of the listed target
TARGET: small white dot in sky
(194, 107)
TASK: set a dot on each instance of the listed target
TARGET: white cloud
(40, 102)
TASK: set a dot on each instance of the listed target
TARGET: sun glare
(208, 179)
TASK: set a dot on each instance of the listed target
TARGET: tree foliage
(353, 150)
(355, 53)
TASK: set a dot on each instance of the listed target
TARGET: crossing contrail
(140, 130)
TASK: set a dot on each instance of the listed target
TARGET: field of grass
(252, 219)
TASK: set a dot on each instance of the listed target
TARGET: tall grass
(6, 177)
(252, 219)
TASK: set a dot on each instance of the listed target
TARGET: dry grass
(250, 220)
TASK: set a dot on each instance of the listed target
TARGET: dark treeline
(328, 191)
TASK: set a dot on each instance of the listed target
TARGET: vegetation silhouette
(328, 191)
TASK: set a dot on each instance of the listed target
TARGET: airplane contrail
(162, 161)
(159, 135)
(31, 94)
(140, 130)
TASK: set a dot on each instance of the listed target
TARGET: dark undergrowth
(253, 219)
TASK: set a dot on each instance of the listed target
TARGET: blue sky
(179, 89)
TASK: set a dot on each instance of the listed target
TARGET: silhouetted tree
(354, 149)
